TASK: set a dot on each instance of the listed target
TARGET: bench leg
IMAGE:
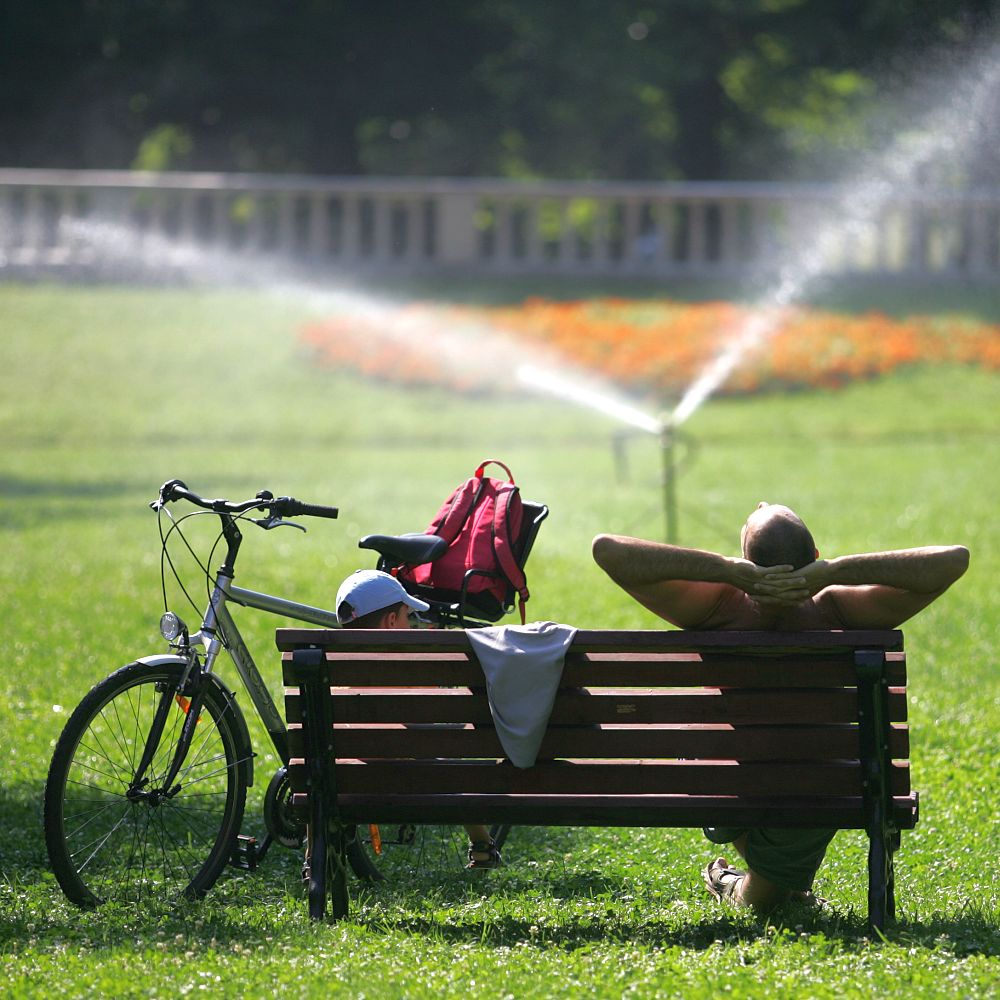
(338, 873)
(879, 880)
(318, 872)
(328, 865)
(890, 899)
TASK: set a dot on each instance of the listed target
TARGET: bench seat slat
(616, 778)
(844, 812)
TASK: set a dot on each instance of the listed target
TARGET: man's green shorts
(789, 858)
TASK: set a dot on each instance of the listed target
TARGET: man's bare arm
(684, 586)
(874, 589)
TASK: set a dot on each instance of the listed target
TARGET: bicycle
(147, 786)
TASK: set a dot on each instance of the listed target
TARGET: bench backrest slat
(574, 707)
(588, 640)
(691, 742)
(832, 669)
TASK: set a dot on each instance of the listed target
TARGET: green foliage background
(661, 89)
(106, 392)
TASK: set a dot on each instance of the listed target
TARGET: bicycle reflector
(171, 627)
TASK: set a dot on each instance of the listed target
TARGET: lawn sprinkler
(668, 452)
(675, 451)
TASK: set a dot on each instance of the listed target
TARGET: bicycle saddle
(414, 548)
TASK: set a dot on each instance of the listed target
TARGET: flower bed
(654, 348)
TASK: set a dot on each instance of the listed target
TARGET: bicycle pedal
(245, 854)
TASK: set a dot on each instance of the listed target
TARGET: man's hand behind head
(787, 587)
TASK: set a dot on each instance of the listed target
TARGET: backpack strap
(503, 544)
(449, 523)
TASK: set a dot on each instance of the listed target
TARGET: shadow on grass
(686, 923)
(22, 839)
(533, 903)
(44, 500)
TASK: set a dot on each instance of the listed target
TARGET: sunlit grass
(105, 393)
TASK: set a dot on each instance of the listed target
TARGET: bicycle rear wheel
(401, 851)
(109, 838)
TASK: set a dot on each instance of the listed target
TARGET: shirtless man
(780, 583)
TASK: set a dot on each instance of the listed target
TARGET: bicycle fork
(169, 696)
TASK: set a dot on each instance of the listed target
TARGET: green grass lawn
(106, 393)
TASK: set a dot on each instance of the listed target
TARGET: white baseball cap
(368, 590)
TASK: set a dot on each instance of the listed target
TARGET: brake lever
(166, 493)
(267, 523)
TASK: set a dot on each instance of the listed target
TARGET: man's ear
(388, 620)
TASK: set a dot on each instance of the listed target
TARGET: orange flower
(655, 347)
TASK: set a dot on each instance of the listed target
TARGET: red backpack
(481, 521)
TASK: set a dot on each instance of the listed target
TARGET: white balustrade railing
(54, 219)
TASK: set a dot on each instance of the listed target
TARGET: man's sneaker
(722, 881)
(483, 856)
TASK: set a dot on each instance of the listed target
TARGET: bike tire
(105, 842)
(408, 850)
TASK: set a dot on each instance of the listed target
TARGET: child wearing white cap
(369, 598)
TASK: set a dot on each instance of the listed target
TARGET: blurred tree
(567, 88)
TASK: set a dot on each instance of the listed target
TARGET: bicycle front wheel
(111, 837)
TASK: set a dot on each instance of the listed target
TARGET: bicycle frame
(218, 630)
(241, 656)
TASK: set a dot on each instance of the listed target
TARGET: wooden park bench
(674, 729)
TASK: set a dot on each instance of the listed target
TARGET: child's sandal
(483, 856)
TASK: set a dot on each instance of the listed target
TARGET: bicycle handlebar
(174, 489)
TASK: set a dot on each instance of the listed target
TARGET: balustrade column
(566, 243)
(32, 229)
(317, 233)
(350, 229)
(918, 239)
(380, 248)
(697, 236)
(600, 235)
(502, 255)
(534, 251)
(729, 238)
(188, 212)
(416, 230)
(456, 229)
(285, 234)
(631, 212)
(664, 241)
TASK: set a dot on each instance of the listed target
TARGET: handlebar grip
(172, 489)
(293, 507)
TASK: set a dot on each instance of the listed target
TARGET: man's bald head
(775, 535)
